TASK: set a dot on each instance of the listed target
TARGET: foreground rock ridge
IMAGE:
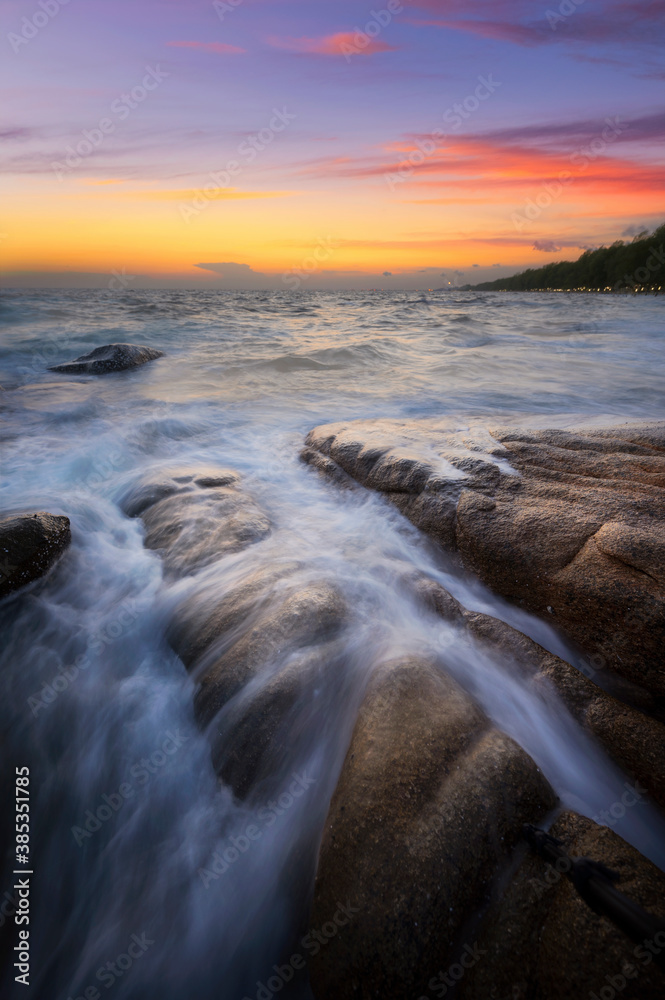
(107, 359)
(429, 805)
(569, 525)
(423, 834)
(29, 545)
(633, 739)
(537, 921)
(256, 647)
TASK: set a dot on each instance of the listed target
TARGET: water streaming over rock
(206, 892)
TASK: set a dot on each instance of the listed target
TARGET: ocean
(244, 376)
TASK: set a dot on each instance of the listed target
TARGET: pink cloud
(220, 48)
(624, 21)
(344, 43)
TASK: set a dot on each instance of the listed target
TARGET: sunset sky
(311, 144)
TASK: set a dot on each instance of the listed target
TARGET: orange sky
(270, 151)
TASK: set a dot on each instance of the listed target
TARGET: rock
(634, 739)
(256, 654)
(150, 489)
(111, 358)
(194, 518)
(210, 621)
(258, 647)
(540, 941)
(29, 545)
(430, 802)
(302, 618)
(263, 726)
(570, 525)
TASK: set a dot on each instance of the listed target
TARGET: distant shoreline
(633, 268)
(573, 291)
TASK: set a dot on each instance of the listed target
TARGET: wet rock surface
(260, 647)
(194, 518)
(277, 651)
(570, 525)
(110, 358)
(430, 801)
(29, 545)
(633, 739)
(540, 941)
(631, 736)
(427, 814)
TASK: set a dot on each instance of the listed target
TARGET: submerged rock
(111, 358)
(29, 545)
(258, 646)
(570, 525)
(633, 739)
(258, 654)
(194, 518)
(430, 802)
(538, 939)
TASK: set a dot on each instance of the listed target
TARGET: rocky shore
(424, 833)
(570, 526)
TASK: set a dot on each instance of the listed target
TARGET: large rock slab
(258, 643)
(29, 545)
(634, 739)
(570, 525)
(540, 941)
(195, 517)
(110, 358)
(258, 654)
(630, 734)
(429, 804)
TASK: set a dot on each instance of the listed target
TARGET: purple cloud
(547, 246)
(636, 22)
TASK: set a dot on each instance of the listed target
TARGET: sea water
(181, 890)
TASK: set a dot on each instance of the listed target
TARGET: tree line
(637, 266)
